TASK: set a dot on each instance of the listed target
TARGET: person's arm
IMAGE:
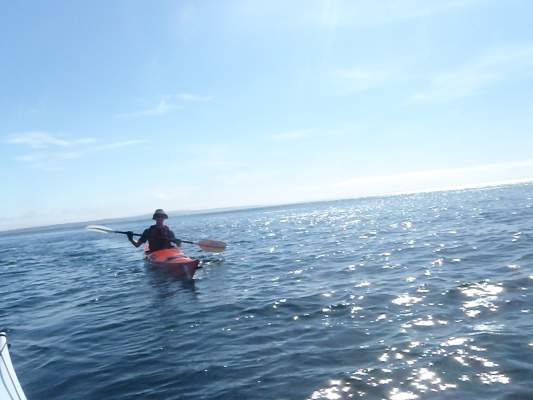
(134, 242)
(173, 239)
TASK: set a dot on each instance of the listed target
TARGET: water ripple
(421, 296)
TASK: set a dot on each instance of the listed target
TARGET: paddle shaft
(138, 234)
(215, 246)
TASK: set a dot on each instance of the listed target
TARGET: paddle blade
(99, 228)
(214, 246)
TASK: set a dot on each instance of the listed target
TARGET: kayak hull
(10, 388)
(172, 261)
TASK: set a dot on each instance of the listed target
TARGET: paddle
(214, 246)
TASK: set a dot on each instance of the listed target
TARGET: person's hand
(129, 234)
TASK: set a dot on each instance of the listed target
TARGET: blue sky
(115, 108)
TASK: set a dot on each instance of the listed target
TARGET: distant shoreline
(184, 213)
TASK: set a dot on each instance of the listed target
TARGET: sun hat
(159, 213)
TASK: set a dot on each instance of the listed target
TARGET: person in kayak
(158, 236)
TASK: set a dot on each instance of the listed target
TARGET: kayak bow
(173, 261)
(10, 388)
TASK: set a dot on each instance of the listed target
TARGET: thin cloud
(418, 181)
(117, 145)
(43, 140)
(29, 158)
(291, 136)
(332, 14)
(85, 141)
(37, 140)
(47, 151)
(166, 105)
(162, 108)
(214, 157)
(496, 66)
(362, 14)
(193, 97)
(436, 179)
(48, 161)
(361, 79)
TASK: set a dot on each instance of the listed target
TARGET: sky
(116, 108)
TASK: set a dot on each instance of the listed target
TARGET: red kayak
(173, 261)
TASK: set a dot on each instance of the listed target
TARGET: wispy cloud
(118, 145)
(47, 151)
(419, 181)
(211, 157)
(362, 79)
(498, 65)
(48, 161)
(332, 14)
(361, 14)
(162, 108)
(187, 97)
(166, 105)
(438, 179)
(37, 140)
(290, 136)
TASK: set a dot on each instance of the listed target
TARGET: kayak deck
(172, 261)
(10, 388)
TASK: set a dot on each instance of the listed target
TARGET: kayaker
(158, 236)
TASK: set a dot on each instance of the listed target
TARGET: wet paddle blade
(214, 246)
(99, 228)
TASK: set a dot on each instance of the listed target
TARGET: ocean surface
(422, 296)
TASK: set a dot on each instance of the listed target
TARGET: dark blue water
(422, 296)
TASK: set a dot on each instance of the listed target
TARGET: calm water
(421, 296)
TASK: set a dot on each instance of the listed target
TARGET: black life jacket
(159, 237)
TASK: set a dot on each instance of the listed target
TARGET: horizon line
(220, 210)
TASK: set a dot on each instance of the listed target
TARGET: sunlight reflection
(425, 377)
(334, 392)
(396, 394)
(455, 341)
(406, 300)
(438, 262)
(485, 292)
(494, 377)
(489, 328)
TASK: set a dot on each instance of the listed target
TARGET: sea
(418, 296)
